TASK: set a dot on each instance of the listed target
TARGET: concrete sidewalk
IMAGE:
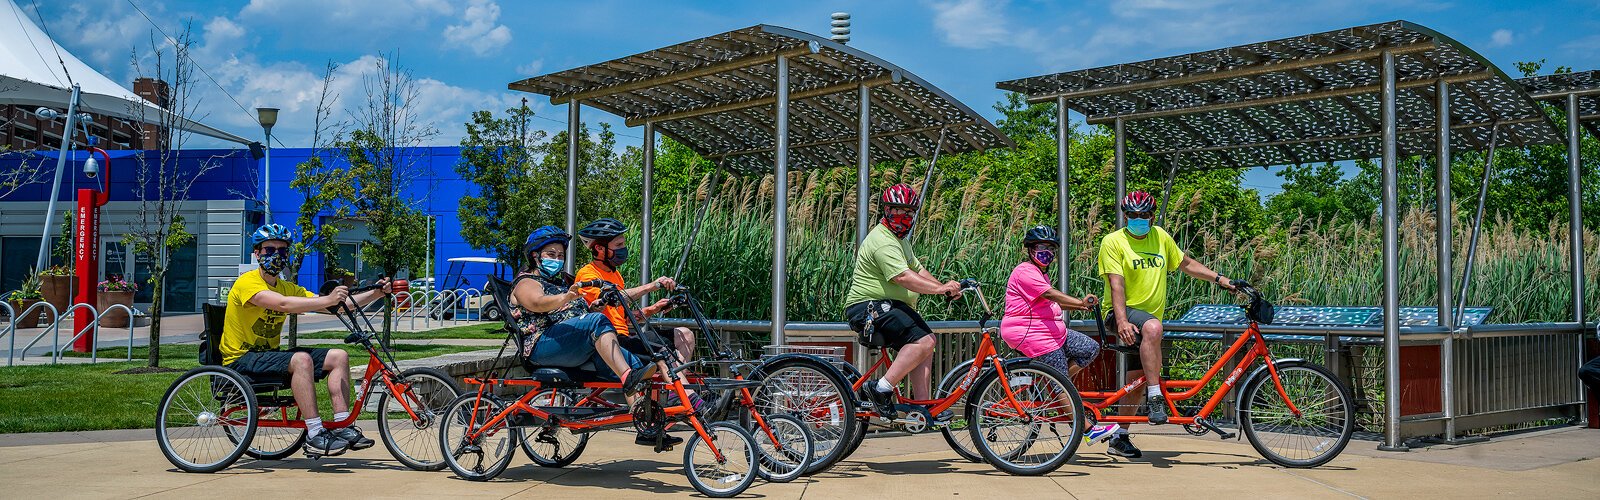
(127, 464)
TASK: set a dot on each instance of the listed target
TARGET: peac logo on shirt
(1149, 261)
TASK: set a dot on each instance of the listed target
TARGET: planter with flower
(115, 291)
(59, 285)
(26, 296)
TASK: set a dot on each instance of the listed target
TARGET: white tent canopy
(30, 75)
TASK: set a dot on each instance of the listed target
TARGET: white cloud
(533, 68)
(1501, 37)
(478, 29)
(973, 24)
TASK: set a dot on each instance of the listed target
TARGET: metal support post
(1445, 217)
(1063, 195)
(864, 165)
(648, 197)
(780, 230)
(1391, 266)
(55, 188)
(1575, 235)
(572, 175)
(1121, 162)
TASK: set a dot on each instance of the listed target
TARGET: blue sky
(271, 52)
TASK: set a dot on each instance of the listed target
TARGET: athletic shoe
(1158, 410)
(882, 401)
(325, 444)
(352, 434)
(649, 439)
(1121, 446)
(1100, 433)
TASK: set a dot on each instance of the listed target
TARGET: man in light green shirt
(884, 287)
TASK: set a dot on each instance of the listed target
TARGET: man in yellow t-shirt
(1135, 261)
(257, 305)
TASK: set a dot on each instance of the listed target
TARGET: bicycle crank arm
(1206, 423)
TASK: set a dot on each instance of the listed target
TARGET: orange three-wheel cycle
(212, 414)
(1294, 412)
(552, 420)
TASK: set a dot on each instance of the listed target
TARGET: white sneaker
(1100, 433)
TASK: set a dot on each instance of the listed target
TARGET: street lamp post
(268, 117)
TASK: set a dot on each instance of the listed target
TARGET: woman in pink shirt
(1034, 324)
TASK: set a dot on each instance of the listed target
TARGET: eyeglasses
(1140, 215)
(271, 250)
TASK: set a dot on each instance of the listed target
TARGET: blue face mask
(273, 261)
(551, 267)
(1139, 227)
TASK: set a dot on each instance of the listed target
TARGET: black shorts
(1138, 317)
(273, 366)
(900, 325)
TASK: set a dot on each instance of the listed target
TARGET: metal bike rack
(94, 342)
(11, 329)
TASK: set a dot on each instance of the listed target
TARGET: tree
(513, 196)
(163, 186)
(20, 175)
(321, 186)
(384, 160)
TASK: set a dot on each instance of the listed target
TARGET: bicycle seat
(561, 378)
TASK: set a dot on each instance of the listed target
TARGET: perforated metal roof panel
(717, 94)
(1305, 99)
(1554, 89)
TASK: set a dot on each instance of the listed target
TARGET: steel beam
(1445, 218)
(1063, 195)
(863, 164)
(1121, 160)
(780, 184)
(668, 79)
(1391, 265)
(648, 194)
(1292, 98)
(764, 101)
(573, 109)
(1575, 207)
(1355, 55)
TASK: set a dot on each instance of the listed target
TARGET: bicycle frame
(1257, 350)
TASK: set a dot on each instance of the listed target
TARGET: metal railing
(53, 329)
(1498, 376)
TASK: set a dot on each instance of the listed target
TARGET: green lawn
(77, 397)
(479, 331)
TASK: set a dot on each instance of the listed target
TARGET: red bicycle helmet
(1138, 201)
(900, 195)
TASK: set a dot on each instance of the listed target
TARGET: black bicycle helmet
(602, 230)
(1041, 234)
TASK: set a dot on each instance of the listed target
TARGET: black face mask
(617, 257)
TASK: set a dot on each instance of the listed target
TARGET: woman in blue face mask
(553, 319)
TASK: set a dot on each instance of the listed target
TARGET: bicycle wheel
(733, 472)
(955, 433)
(1312, 438)
(408, 422)
(1040, 438)
(270, 443)
(786, 447)
(553, 446)
(812, 392)
(485, 456)
(193, 421)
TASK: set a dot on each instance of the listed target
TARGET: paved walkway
(127, 464)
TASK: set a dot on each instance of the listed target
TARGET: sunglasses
(266, 250)
(1140, 215)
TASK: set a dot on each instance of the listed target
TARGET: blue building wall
(437, 190)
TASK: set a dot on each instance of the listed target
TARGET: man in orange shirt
(607, 238)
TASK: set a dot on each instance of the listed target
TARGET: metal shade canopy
(718, 96)
(1304, 99)
(1584, 85)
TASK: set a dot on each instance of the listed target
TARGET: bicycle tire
(453, 444)
(824, 403)
(1024, 380)
(221, 389)
(416, 446)
(1255, 410)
